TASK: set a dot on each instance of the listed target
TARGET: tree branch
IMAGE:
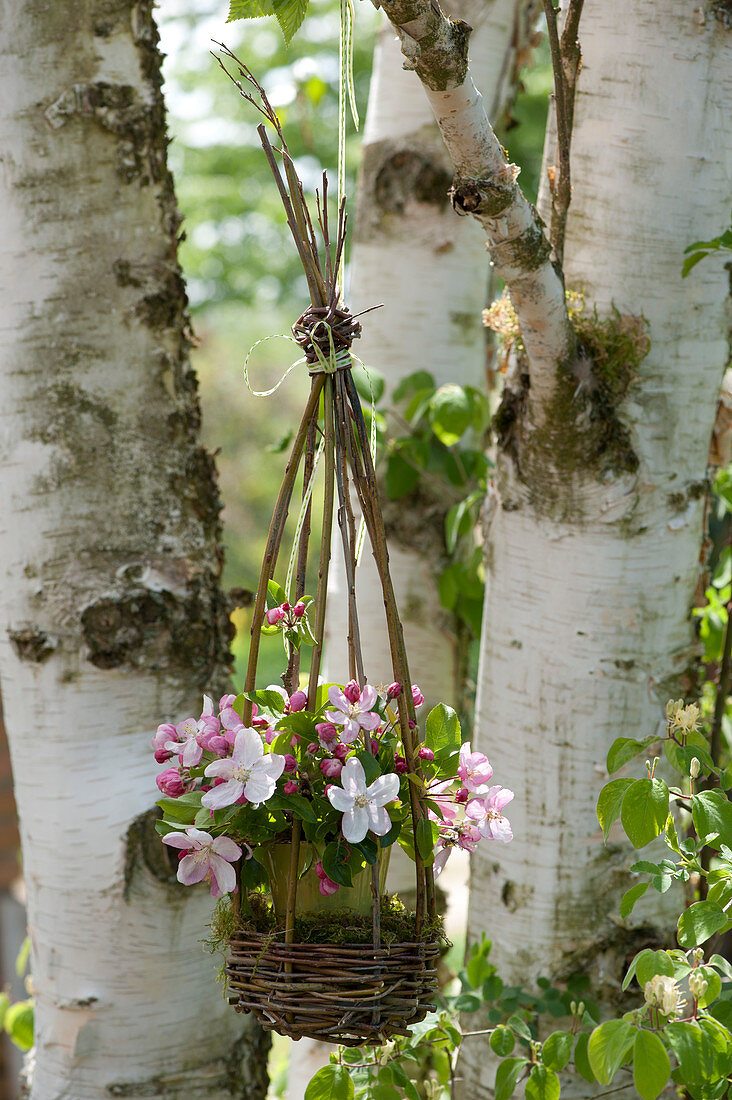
(485, 186)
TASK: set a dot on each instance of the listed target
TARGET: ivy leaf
(651, 1066)
(700, 921)
(610, 801)
(644, 811)
(249, 9)
(331, 1083)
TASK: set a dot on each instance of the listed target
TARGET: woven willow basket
(338, 993)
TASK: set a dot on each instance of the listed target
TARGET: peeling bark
(110, 543)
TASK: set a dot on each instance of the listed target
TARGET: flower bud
(328, 887)
(394, 691)
(226, 701)
(274, 615)
(170, 783)
(218, 745)
(162, 755)
(694, 767)
(299, 609)
(341, 752)
(290, 787)
(164, 732)
(298, 701)
(425, 753)
(312, 748)
(462, 795)
(290, 763)
(374, 746)
(400, 765)
(327, 733)
(270, 735)
(352, 691)
(417, 696)
(412, 724)
(331, 769)
(285, 606)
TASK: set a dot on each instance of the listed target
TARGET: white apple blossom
(249, 771)
(363, 806)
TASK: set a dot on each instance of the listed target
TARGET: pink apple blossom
(417, 696)
(331, 769)
(486, 813)
(425, 753)
(440, 793)
(171, 783)
(298, 701)
(207, 859)
(274, 615)
(248, 771)
(353, 711)
(474, 770)
(464, 836)
(186, 743)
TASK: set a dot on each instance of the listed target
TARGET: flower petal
(502, 799)
(259, 788)
(368, 698)
(353, 777)
(340, 799)
(223, 768)
(248, 747)
(198, 838)
(225, 794)
(192, 870)
(225, 847)
(385, 788)
(379, 820)
(338, 700)
(224, 874)
(191, 754)
(177, 840)
(355, 824)
(208, 707)
(440, 860)
(368, 721)
(350, 730)
(271, 764)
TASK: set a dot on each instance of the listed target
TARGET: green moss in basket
(335, 926)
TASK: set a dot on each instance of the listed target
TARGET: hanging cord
(346, 89)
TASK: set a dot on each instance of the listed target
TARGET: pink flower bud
(290, 763)
(270, 735)
(226, 701)
(425, 753)
(417, 696)
(412, 724)
(219, 745)
(170, 783)
(285, 606)
(242, 800)
(298, 701)
(161, 755)
(400, 765)
(274, 615)
(352, 691)
(290, 787)
(462, 795)
(327, 733)
(165, 732)
(341, 752)
(374, 746)
(312, 748)
(328, 787)
(299, 609)
(328, 887)
(183, 853)
(319, 869)
(331, 769)
(394, 691)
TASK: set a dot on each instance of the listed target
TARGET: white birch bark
(407, 235)
(587, 626)
(112, 616)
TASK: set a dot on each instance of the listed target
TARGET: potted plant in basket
(289, 799)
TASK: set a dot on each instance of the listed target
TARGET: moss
(335, 926)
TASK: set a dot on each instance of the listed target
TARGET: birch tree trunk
(113, 616)
(407, 236)
(593, 558)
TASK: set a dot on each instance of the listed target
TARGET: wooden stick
(324, 565)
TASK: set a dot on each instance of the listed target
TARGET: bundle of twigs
(325, 332)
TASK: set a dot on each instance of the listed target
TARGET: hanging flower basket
(289, 799)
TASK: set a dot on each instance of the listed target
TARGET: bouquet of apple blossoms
(230, 790)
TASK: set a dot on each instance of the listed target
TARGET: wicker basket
(338, 993)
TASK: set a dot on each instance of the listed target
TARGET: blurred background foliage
(243, 275)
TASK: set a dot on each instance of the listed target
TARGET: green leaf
(692, 1048)
(4, 1006)
(331, 1083)
(249, 9)
(18, 1023)
(649, 963)
(384, 1092)
(425, 840)
(369, 764)
(518, 1024)
(557, 1049)
(478, 969)
(175, 809)
(700, 921)
(21, 962)
(712, 813)
(543, 1084)
(610, 801)
(507, 1075)
(413, 383)
(502, 1041)
(651, 1066)
(299, 805)
(267, 699)
(335, 864)
(714, 985)
(621, 751)
(458, 522)
(644, 811)
(609, 1047)
(630, 897)
(450, 413)
(442, 729)
(581, 1060)
(401, 476)
(468, 1002)
(692, 261)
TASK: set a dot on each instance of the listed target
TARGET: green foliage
(701, 249)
